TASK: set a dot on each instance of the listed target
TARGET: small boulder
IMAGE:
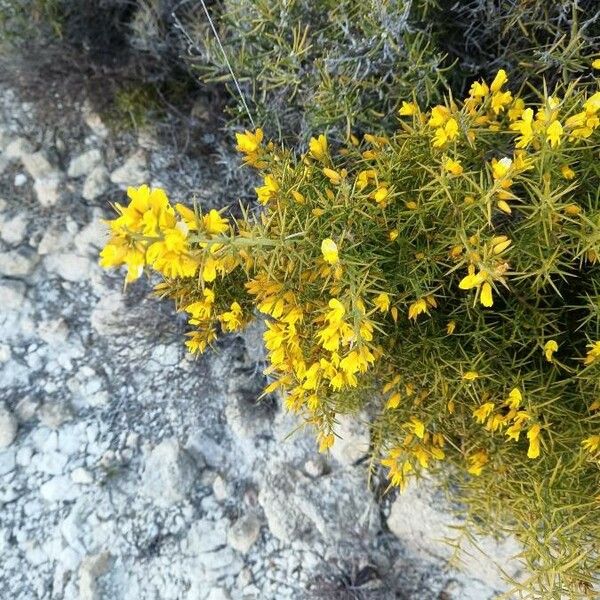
(169, 474)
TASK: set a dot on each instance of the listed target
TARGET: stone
(18, 148)
(92, 237)
(12, 294)
(219, 487)
(107, 316)
(96, 183)
(352, 439)
(93, 120)
(70, 266)
(421, 517)
(47, 190)
(26, 408)
(16, 263)
(315, 467)
(8, 426)
(13, 230)
(53, 414)
(59, 489)
(91, 568)
(53, 331)
(298, 508)
(169, 473)
(53, 240)
(37, 165)
(52, 463)
(84, 163)
(244, 533)
(20, 180)
(132, 172)
(82, 476)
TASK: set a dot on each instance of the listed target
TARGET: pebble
(8, 426)
(84, 163)
(20, 180)
(17, 148)
(82, 476)
(16, 263)
(132, 172)
(13, 230)
(69, 266)
(219, 487)
(47, 190)
(12, 294)
(37, 165)
(59, 489)
(244, 533)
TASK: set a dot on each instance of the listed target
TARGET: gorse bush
(445, 279)
(305, 65)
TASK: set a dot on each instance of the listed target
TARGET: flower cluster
(444, 279)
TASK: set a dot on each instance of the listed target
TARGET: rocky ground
(129, 470)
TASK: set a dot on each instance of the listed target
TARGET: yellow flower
(408, 109)
(483, 412)
(486, 295)
(470, 375)
(329, 250)
(214, 223)
(553, 133)
(450, 327)
(500, 100)
(477, 461)
(514, 398)
(500, 168)
(479, 90)
(382, 302)
(439, 115)
(326, 442)
(567, 172)
(416, 308)
(393, 234)
(596, 63)
(266, 191)
(593, 353)
(333, 176)
(550, 347)
(516, 110)
(417, 426)
(393, 401)
(249, 142)
(524, 126)
(298, 197)
(591, 444)
(471, 280)
(533, 435)
(500, 79)
(188, 216)
(209, 271)
(453, 166)
(500, 244)
(232, 320)
(504, 207)
(380, 195)
(318, 147)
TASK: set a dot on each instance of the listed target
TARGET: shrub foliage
(444, 278)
